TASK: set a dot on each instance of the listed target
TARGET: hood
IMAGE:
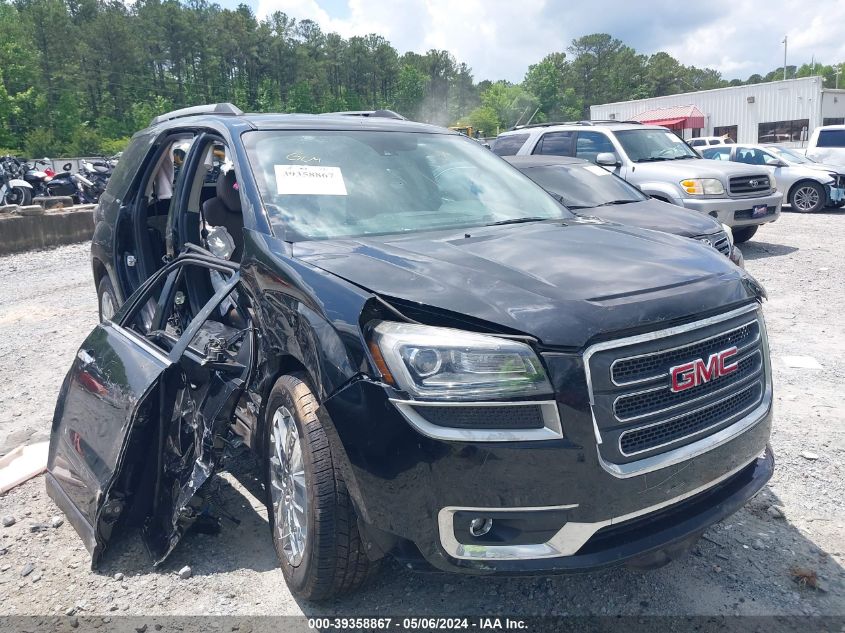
(563, 282)
(697, 168)
(823, 167)
(657, 216)
(828, 155)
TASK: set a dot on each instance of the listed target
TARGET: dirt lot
(743, 566)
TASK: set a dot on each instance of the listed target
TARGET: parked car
(592, 191)
(827, 144)
(419, 343)
(806, 186)
(661, 164)
(700, 142)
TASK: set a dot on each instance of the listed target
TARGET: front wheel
(743, 233)
(807, 197)
(314, 527)
(20, 196)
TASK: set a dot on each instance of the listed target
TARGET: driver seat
(225, 210)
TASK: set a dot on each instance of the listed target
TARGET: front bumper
(415, 494)
(736, 211)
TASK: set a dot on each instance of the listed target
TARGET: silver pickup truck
(662, 165)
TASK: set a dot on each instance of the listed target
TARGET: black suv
(432, 357)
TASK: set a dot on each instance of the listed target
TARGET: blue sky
(499, 39)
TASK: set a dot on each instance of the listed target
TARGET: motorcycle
(13, 188)
(48, 183)
(95, 175)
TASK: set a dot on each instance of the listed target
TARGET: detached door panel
(104, 400)
(138, 424)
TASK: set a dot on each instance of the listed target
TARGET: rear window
(831, 138)
(129, 165)
(508, 145)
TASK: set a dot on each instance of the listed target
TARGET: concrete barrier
(24, 233)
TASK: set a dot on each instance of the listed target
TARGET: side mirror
(607, 159)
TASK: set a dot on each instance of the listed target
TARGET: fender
(661, 190)
(17, 182)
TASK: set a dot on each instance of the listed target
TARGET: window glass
(698, 142)
(590, 144)
(650, 145)
(717, 153)
(831, 138)
(317, 185)
(836, 120)
(508, 145)
(128, 165)
(783, 131)
(790, 156)
(555, 144)
(584, 186)
(729, 131)
(752, 156)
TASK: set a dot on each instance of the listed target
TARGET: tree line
(78, 77)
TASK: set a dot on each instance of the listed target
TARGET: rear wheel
(807, 197)
(314, 527)
(106, 299)
(743, 233)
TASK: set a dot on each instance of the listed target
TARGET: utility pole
(836, 74)
(784, 57)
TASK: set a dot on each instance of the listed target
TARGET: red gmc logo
(698, 372)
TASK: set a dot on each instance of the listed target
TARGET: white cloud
(501, 38)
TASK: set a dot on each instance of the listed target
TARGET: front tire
(106, 299)
(312, 521)
(807, 197)
(20, 196)
(743, 233)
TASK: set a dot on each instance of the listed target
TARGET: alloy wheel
(805, 198)
(107, 306)
(287, 484)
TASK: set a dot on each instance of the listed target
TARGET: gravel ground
(742, 566)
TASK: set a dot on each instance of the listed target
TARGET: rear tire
(807, 197)
(743, 233)
(329, 559)
(106, 299)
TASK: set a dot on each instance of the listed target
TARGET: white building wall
(833, 104)
(743, 106)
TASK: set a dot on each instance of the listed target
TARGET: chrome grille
(637, 414)
(719, 241)
(745, 185)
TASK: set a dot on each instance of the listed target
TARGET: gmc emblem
(698, 372)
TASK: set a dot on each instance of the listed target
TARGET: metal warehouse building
(776, 112)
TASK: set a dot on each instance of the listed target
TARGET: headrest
(227, 191)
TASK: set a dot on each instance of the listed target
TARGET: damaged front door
(144, 410)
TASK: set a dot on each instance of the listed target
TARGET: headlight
(729, 233)
(446, 364)
(772, 182)
(703, 186)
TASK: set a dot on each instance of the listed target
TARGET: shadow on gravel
(758, 250)
(825, 211)
(744, 565)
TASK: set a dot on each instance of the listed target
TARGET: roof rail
(583, 122)
(212, 108)
(382, 114)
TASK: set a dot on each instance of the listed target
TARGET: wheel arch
(803, 181)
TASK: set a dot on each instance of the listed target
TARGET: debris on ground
(775, 512)
(8, 520)
(56, 521)
(21, 464)
(810, 455)
(27, 569)
(185, 572)
(806, 577)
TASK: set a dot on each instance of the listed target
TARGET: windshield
(584, 186)
(643, 146)
(328, 184)
(790, 156)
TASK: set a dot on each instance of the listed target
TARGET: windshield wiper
(611, 202)
(652, 160)
(518, 221)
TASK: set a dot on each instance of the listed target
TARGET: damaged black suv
(432, 358)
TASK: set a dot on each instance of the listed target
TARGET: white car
(702, 142)
(827, 145)
(806, 185)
